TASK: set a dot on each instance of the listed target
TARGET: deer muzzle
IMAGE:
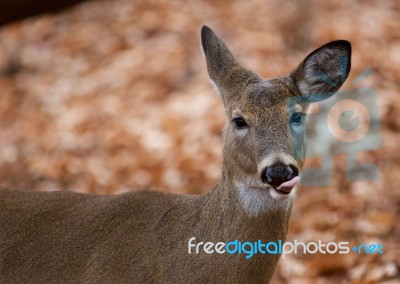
(282, 177)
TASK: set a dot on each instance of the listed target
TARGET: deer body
(142, 237)
(70, 237)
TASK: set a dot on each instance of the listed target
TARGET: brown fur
(142, 237)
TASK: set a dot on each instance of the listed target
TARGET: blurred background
(111, 96)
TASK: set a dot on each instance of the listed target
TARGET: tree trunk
(14, 10)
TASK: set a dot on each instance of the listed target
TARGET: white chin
(275, 194)
(260, 200)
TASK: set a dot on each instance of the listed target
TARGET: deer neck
(234, 210)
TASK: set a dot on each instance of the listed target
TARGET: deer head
(264, 139)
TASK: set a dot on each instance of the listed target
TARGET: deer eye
(239, 123)
(297, 118)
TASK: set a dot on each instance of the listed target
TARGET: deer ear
(222, 66)
(324, 70)
(219, 59)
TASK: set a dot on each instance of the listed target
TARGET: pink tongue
(288, 185)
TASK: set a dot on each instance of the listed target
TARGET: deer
(156, 237)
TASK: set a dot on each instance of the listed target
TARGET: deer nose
(277, 174)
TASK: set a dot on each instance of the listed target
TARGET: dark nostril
(277, 174)
(295, 171)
